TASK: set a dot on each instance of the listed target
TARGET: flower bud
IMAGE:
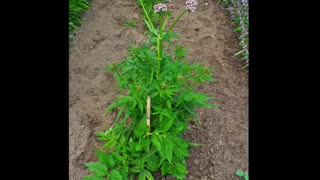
(180, 78)
(163, 86)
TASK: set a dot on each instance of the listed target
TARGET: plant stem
(160, 44)
(175, 21)
(160, 38)
(165, 22)
(145, 12)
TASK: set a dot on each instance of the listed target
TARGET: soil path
(207, 33)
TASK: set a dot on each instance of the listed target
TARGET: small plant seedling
(132, 23)
(245, 174)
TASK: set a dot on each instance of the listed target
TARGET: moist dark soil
(208, 33)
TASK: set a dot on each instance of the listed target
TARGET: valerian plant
(158, 102)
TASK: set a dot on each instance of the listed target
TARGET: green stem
(161, 23)
(165, 22)
(175, 21)
(160, 44)
(145, 12)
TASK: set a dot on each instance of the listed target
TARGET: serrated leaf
(155, 141)
(103, 157)
(124, 172)
(141, 128)
(165, 168)
(109, 161)
(179, 171)
(153, 162)
(98, 168)
(115, 175)
(145, 143)
(180, 146)
(92, 177)
(145, 174)
(168, 149)
(139, 162)
(166, 124)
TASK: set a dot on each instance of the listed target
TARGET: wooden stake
(148, 111)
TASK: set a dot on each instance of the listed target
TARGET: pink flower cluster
(158, 7)
(191, 5)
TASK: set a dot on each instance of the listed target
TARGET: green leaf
(165, 168)
(141, 128)
(124, 172)
(122, 100)
(92, 177)
(178, 127)
(145, 174)
(155, 141)
(136, 169)
(246, 175)
(180, 146)
(98, 168)
(179, 171)
(154, 94)
(149, 27)
(166, 124)
(140, 103)
(169, 105)
(145, 143)
(168, 149)
(153, 162)
(120, 113)
(109, 161)
(101, 156)
(239, 52)
(117, 158)
(239, 172)
(109, 144)
(115, 175)
(139, 162)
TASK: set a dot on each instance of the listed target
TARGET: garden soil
(208, 34)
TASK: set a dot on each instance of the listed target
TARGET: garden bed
(207, 33)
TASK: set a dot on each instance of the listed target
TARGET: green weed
(242, 174)
(76, 8)
(132, 23)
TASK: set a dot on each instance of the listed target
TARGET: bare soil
(208, 34)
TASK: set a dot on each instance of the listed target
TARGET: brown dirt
(207, 33)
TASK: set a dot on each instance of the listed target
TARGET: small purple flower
(191, 5)
(160, 6)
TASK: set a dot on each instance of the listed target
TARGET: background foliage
(76, 8)
(238, 12)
